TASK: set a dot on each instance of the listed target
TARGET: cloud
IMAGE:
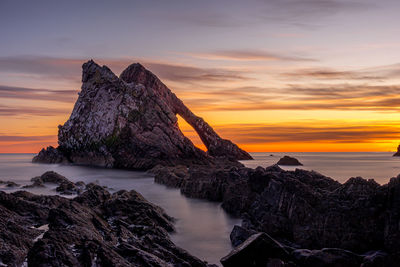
(298, 97)
(298, 13)
(307, 132)
(329, 74)
(49, 67)
(70, 69)
(34, 111)
(65, 96)
(249, 55)
(19, 138)
(182, 73)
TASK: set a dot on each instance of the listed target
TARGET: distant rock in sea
(130, 122)
(397, 154)
(289, 161)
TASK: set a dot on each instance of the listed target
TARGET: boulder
(289, 161)
(257, 250)
(9, 183)
(327, 257)
(96, 228)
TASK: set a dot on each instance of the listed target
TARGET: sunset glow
(271, 76)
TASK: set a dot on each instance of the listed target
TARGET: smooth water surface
(202, 227)
(340, 166)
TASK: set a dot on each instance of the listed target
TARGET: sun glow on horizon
(281, 76)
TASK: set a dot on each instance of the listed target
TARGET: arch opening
(190, 133)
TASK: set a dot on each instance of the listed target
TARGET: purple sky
(263, 63)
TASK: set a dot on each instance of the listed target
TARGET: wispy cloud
(20, 138)
(299, 97)
(65, 96)
(249, 55)
(300, 13)
(49, 67)
(34, 111)
(307, 132)
(182, 73)
(64, 68)
(331, 74)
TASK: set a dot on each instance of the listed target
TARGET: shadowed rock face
(217, 147)
(96, 228)
(130, 122)
(300, 209)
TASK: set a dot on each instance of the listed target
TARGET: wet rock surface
(302, 210)
(130, 122)
(96, 228)
(9, 183)
(65, 186)
(50, 155)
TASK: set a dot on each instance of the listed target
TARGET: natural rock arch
(131, 122)
(216, 146)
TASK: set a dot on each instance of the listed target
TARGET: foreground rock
(130, 122)
(301, 209)
(258, 250)
(94, 229)
(65, 186)
(289, 161)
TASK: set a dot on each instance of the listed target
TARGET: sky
(276, 75)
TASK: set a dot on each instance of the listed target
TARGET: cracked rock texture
(130, 122)
(96, 228)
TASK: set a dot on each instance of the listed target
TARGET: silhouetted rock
(256, 251)
(50, 155)
(239, 235)
(130, 122)
(328, 257)
(289, 161)
(9, 183)
(397, 154)
(300, 209)
(94, 229)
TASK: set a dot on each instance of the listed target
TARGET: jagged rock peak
(92, 70)
(130, 122)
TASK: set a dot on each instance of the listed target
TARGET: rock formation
(397, 154)
(130, 122)
(94, 229)
(301, 209)
(289, 161)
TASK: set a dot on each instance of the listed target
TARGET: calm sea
(202, 227)
(340, 166)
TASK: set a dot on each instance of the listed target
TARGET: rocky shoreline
(290, 218)
(313, 217)
(96, 228)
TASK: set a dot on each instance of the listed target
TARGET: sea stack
(289, 161)
(397, 154)
(130, 122)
